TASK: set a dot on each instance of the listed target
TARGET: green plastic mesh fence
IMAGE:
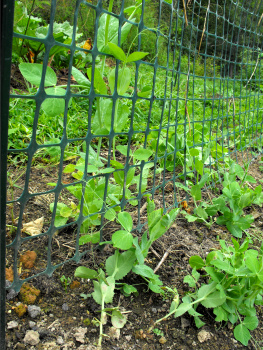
(121, 101)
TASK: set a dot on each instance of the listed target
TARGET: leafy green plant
(65, 281)
(132, 259)
(234, 286)
(26, 24)
(238, 196)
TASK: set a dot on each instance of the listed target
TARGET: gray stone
(31, 324)
(65, 307)
(33, 310)
(31, 338)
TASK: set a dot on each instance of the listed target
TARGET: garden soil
(66, 319)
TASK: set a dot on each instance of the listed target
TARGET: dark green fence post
(7, 15)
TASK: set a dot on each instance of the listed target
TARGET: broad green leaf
(182, 309)
(199, 166)
(124, 79)
(99, 84)
(136, 56)
(121, 118)
(80, 78)
(144, 270)
(112, 32)
(242, 334)
(65, 212)
(194, 152)
(117, 52)
(251, 260)
(125, 220)
(103, 290)
(190, 280)
(142, 154)
(221, 314)
(86, 273)
(223, 265)
(33, 73)
(201, 213)
(120, 265)
(213, 300)
(251, 322)
(122, 239)
(206, 289)
(110, 214)
(196, 261)
(234, 229)
(69, 168)
(118, 320)
(128, 289)
(122, 149)
(54, 106)
(196, 192)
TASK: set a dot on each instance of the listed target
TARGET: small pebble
(65, 307)
(31, 338)
(12, 325)
(33, 310)
(31, 324)
(60, 340)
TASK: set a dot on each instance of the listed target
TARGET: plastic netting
(144, 123)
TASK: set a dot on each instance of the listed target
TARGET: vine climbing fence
(161, 93)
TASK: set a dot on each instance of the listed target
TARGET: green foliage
(132, 259)
(234, 286)
(65, 281)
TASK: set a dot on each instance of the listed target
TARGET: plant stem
(101, 322)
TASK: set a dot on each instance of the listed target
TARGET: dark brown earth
(58, 327)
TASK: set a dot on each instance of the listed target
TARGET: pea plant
(132, 259)
(235, 197)
(234, 286)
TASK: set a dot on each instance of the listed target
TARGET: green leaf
(84, 272)
(206, 289)
(112, 32)
(69, 168)
(213, 300)
(196, 192)
(128, 289)
(117, 52)
(251, 322)
(190, 280)
(234, 229)
(199, 166)
(54, 106)
(122, 239)
(120, 265)
(121, 118)
(118, 320)
(124, 79)
(80, 78)
(242, 334)
(136, 56)
(251, 260)
(142, 154)
(104, 291)
(33, 73)
(145, 271)
(125, 220)
(182, 309)
(65, 212)
(197, 262)
(99, 83)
